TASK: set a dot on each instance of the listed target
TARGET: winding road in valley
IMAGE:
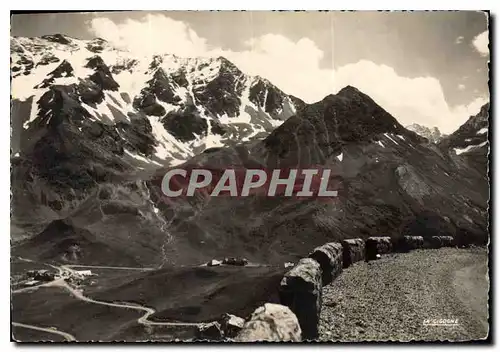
(60, 282)
(67, 336)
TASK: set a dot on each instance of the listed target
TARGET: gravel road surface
(408, 296)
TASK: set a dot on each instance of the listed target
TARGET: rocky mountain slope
(94, 132)
(391, 182)
(173, 107)
(432, 134)
(472, 135)
(87, 117)
(468, 147)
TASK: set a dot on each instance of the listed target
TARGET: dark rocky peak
(90, 93)
(222, 94)
(319, 130)
(97, 63)
(125, 65)
(258, 92)
(99, 40)
(481, 119)
(264, 94)
(185, 124)
(156, 62)
(469, 133)
(355, 116)
(23, 65)
(160, 86)
(351, 91)
(179, 78)
(63, 70)
(57, 38)
(475, 123)
(46, 59)
(146, 103)
(96, 45)
(102, 75)
(15, 46)
(227, 66)
(297, 102)
(60, 104)
(485, 111)
(159, 75)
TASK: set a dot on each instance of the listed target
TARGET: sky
(425, 67)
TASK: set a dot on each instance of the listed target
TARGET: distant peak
(95, 62)
(349, 90)
(160, 74)
(223, 60)
(99, 39)
(484, 109)
(155, 62)
(57, 38)
(226, 64)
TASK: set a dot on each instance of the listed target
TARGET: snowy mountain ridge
(432, 134)
(472, 136)
(190, 104)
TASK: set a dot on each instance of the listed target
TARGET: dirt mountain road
(422, 295)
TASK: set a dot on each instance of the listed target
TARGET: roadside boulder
(329, 257)
(209, 331)
(447, 241)
(231, 324)
(235, 261)
(408, 243)
(353, 251)
(440, 241)
(377, 245)
(301, 290)
(214, 262)
(271, 322)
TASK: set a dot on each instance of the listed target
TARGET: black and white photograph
(250, 176)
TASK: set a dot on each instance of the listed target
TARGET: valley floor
(133, 304)
(389, 299)
(406, 296)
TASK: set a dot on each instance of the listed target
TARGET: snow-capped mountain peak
(471, 136)
(188, 104)
(432, 134)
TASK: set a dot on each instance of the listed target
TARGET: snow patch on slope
(389, 137)
(168, 145)
(459, 151)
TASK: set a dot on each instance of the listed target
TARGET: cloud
(461, 86)
(480, 43)
(468, 110)
(152, 35)
(410, 100)
(294, 66)
(459, 40)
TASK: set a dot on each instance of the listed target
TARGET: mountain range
(432, 134)
(94, 129)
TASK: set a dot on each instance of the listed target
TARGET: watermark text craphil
(239, 182)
